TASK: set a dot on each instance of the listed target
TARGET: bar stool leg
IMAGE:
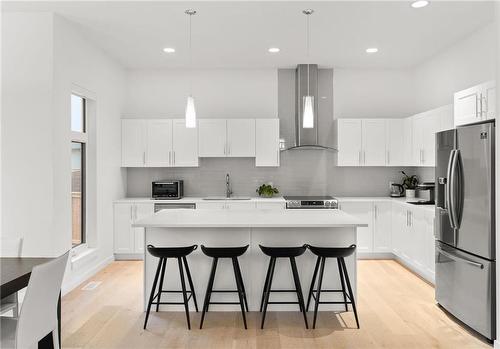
(152, 295)
(351, 295)
(209, 291)
(311, 289)
(188, 273)
(341, 274)
(184, 294)
(160, 287)
(242, 283)
(240, 289)
(265, 284)
(267, 291)
(298, 289)
(318, 290)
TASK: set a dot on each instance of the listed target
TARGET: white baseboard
(375, 255)
(80, 277)
(129, 256)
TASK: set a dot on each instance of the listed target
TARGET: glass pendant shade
(190, 113)
(308, 115)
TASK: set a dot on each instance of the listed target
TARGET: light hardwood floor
(396, 310)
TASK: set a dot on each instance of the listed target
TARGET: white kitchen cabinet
(134, 135)
(362, 210)
(382, 214)
(475, 104)
(267, 139)
(445, 115)
(159, 143)
(240, 137)
(275, 205)
(226, 205)
(349, 142)
(424, 128)
(184, 145)
(373, 137)
(211, 205)
(398, 229)
(128, 240)
(239, 205)
(212, 138)
(396, 150)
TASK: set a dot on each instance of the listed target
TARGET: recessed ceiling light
(169, 50)
(372, 50)
(419, 3)
(274, 50)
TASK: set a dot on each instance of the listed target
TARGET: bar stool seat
(164, 253)
(225, 252)
(331, 252)
(282, 252)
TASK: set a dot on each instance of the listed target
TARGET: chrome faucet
(228, 187)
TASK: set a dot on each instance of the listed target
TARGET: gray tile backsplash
(302, 172)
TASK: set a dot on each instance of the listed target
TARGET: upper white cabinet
(212, 138)
(349, 142)
(158, 143)
(267, 142)
(226, 138)
(398, 142)
(373, 135)
(475, 104)
(134, 134)
(424, 128)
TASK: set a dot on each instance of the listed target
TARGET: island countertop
(261, 218)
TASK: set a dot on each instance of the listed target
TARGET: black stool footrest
(283, 303)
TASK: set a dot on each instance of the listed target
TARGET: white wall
(44, 57)
(464, 64)
(373, 93)
(218, 93)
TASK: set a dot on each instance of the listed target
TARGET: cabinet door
(430, 242)
(133, 143)
(212, 138)
(123, 233)
(184, 145)
(467, 106)
(418, 248)
(267, 142)
(270, 205)
(349, 142)
(240, 205)
(241, 137)
(395, 145)
(140, 211)
(382, 227)
(398, 229)
(373, 136)
(445, 115)
(417, 138)
(363, 211)
(489, 100)
(430, 126)
(159, 143)
(408, 139)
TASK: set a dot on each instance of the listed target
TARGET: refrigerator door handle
(460, 188)
(461, 259)
(450, 197)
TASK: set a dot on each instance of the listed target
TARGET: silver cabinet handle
(388, 158)
(174, 156)
(169, 157)
(407, 223)
(484, 106)
(277, 157)
(144, 158)
(375, 211)
(131, 214)
(461, 259)
(411, 218)
(478, 103)
(423, 156)
(364, 157)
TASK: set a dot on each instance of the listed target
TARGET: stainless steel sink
(215, 198)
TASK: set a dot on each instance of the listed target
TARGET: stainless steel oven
(167, 189)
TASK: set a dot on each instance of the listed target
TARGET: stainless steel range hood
(292, 87)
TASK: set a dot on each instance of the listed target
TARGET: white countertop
(194, 199)
(402, 201)
(255, 218)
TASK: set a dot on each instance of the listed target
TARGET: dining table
(15, 274)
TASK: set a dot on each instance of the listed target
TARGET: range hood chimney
(294, 135)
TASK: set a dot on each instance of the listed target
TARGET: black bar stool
(180, 254)
(332, 252)
(225, 252)
(282, 252)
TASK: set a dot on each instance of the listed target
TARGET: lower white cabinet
(225, 205)
(272, 205)
(363, 210)
(129, 241)
(382, 212)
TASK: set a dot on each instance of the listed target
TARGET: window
(78, 160)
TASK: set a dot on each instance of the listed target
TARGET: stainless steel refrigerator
(465, 225)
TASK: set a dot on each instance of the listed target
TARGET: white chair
(10, 247)
(38, 316)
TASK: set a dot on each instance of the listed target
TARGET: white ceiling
(238, 34)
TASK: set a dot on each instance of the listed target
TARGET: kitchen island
(249, 227)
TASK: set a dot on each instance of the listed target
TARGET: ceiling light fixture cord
(307, 49)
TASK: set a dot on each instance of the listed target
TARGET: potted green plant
(410, 184)
(267, 190)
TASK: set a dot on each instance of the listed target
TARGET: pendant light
(308, 101)
(190, 108)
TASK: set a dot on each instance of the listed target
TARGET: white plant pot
(410, 193)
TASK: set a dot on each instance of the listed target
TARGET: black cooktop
(308, 198)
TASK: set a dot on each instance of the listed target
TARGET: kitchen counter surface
(402, 201)
(255, 218)
(194, 199)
